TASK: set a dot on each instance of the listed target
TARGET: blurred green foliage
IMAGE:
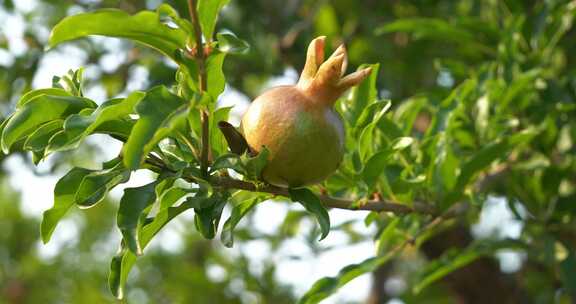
(483, 104)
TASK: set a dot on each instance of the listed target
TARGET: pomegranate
(298, 125)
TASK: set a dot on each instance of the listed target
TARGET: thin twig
(329, 201)
(199, 53)
(202, 79)
(411, 240)
(205, 143)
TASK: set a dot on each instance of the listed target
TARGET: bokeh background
(276, 257)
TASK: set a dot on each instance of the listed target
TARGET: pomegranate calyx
(324, 81)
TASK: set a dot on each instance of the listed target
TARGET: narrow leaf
(313, 205)
(386, 236)
(228, 161)
(229, 43)
(375, 167)
(64, 193)
(133, 203)
(123, 262)
(255, 165)
(239, 211)
(208, 214)
(327, 286)
(370, 112)
(217, 140)
(365, 142)
(208, 12)
(457, 258)
(401, 143)
(429, 28)
(215, 74)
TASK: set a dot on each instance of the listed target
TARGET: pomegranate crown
(324, 81)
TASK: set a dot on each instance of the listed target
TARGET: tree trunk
(480, 281)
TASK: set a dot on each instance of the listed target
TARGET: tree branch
(202, 76)
(225, 182)
(199, 52)
(329, 201)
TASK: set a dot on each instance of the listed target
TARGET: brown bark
(377, 292)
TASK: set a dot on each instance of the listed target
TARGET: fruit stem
(201, 59)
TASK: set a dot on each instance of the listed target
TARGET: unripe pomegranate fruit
(298, 125)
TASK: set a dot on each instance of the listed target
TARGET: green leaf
(445, 165)
(217, 140)
(38, 111)
(208, 214)
(457, 258)
(123, 262)
(38, 140)
(94, 186)
(366, 142)
(144, 27)
(64, 193)
(230, 44)
(481, 160)
(385, 237)
(254, 165)
(239, 211)
(375, 167)
(216, 79)
(389, 128)
(69, 137)
(228, 161)
(132, 205)
(484, 158)
(171, 196)
(178, 155)
(208, 13)
(429, 28)
(327, 286)
(118, 129)
(478, 162)
(401, 143)
(77, 126)
(167, 13)
(159, 111)
(455, 262)
(374, 111)
(119, 269)
(313, 205)
(115, 109)
(71, 82)
(26, 98)
(408, 111)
